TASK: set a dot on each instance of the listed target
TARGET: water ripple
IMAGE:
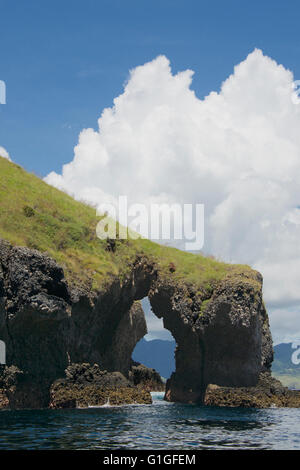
(158, 426)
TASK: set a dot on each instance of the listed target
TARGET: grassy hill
(38, 216)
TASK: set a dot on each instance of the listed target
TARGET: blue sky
(64, 61)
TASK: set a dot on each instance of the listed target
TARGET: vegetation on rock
(146, 378)
(269, 392)
(87, 385)
(38, 216)
(77, 305)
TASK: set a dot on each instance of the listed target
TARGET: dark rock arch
(47, 324)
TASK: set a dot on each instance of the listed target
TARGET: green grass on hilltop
(36, 215)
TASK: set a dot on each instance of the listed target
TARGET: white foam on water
(157, 396)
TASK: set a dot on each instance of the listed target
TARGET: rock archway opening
(220, 327)
(156, 349)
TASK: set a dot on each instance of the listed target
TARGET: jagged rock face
(146, 378)
(87, 385)
(228, 342)
(34, 309)
(268, 392)
(47, 325)
(222, 334)
(129, 331)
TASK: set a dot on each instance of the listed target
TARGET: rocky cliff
(268, 392)
(48, 325)
(222, 332)
(88, 386)
(68, 298)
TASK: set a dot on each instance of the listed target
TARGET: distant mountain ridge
(283, 357)
(284, 368)
(159, 354)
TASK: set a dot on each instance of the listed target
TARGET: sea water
(161, 425)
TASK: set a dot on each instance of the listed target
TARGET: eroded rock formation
(268, 392)
(224, 340)
(86, 385)
(146, 378)
(222, 331)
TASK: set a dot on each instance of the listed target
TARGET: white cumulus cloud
(237, 151)
(4, 153)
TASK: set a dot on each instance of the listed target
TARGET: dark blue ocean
(158, 426)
